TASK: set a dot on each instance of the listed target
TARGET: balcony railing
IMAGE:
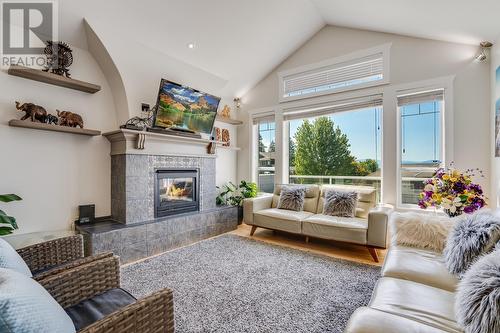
(411, 186)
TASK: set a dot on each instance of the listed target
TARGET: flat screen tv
(181, 107)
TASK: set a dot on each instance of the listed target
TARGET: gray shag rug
(235, 284)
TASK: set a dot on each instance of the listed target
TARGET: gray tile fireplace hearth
(136, 241)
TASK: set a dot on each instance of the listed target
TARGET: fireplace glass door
(176, 192)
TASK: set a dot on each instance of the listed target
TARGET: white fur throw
(478, 296)
(426, 231)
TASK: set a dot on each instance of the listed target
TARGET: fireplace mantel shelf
(124, 141)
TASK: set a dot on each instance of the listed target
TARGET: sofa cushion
(418, 265)
(9, 258)
(367, 198)
(340, 203)
(345, 229)
(28, 308)
(368, 320)
(91, 310)
(292, 198)
(416, 301)
(310, 201)
(280, 219)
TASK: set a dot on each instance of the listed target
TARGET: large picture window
(266, 155)
(421, 141)
(338, 148)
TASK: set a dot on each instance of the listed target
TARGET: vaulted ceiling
(243, 40)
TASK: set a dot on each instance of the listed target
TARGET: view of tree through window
(342, 148)
(267, 152)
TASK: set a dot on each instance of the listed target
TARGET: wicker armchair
(54, 256)
(154, 313)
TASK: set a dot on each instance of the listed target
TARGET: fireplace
(176, 191)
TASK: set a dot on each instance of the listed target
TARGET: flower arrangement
(453, 191)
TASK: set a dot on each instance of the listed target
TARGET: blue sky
(361, 127)
(188, 95)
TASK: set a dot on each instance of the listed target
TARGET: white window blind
(337, 106)
(428, 96)
(263, 118)
(335, 77)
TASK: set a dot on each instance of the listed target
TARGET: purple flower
(469, 209)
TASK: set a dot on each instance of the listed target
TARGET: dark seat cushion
(91, 310)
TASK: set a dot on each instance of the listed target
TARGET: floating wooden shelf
(228, 120)
(55, 128)
(57, 80)
(220, 145)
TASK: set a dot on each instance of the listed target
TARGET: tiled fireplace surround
(133, 232)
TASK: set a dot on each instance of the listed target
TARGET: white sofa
(416, 294)
(368, 227)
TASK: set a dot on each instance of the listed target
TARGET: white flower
(451, 205)
(429, 188)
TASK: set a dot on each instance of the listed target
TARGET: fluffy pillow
(340, 203)
(478, 296)
(425, 231)
(28, 308)
(292, 198)
(9, 258)
(472, 236)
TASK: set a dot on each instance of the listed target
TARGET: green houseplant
(233, 195)
(7, 223)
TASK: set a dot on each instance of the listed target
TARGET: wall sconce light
(484, 50)
(237, 102)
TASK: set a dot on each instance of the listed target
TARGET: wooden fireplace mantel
(125, 141)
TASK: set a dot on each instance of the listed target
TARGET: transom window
(335, 75)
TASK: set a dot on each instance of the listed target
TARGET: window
(421, 141)
(266, 155)
(363, 69)
(338, 146)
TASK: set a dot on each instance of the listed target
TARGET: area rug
(235, 284)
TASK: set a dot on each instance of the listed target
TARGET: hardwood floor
(338, 250)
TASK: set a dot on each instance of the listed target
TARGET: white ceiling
(243, 40)
(461, 21)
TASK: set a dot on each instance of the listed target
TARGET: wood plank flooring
(338, 250)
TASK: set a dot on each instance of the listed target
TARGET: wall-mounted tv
(185, 108)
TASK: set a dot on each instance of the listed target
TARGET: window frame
(445, 83)
(384, 49)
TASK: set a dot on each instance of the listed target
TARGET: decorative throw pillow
(28, 308)
(425, 231)
(472, 236)
(340, 203)
(292, 198)
(478, 296)
(9, 258)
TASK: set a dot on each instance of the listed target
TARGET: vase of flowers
(453, 191)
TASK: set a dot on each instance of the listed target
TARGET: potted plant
(233, 195)
(454, 191)
(7, 223)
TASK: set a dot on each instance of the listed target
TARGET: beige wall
(412, 59)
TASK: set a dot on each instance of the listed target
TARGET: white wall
(412, 59)
(55, 172)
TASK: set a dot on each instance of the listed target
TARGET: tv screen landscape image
(185, 108)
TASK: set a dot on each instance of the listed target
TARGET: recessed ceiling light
(191, 46)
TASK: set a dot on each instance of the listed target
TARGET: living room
(250, 166)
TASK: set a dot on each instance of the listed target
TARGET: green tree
(322, 149)
(272, 147)
(291, 153)
(366, 167)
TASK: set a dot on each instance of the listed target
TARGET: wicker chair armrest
(52, 253)
(72, 264)
(74, 285)
(154, 313)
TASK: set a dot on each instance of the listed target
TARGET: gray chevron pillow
(292, 198)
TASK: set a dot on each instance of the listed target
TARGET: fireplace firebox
(176, 191)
